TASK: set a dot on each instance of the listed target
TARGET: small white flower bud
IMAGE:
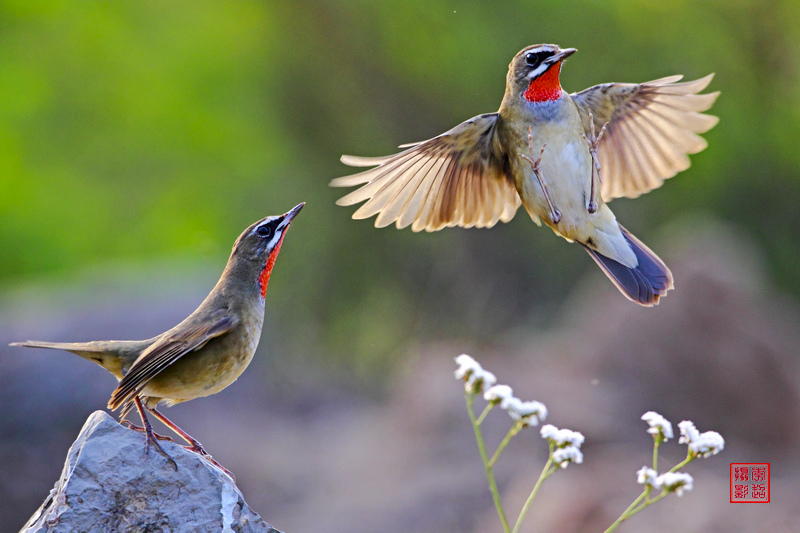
(569, 454)
(649, 477)
(700, 444)
(676, 482)
(471, 372)
(561, 437)
(658, 425)
(529, 413)
(498, 393)
(707, 443)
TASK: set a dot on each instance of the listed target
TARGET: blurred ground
(317, 450)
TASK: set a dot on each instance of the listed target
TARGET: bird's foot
(197, 448)
(594, 141)
(194, 444)
(150, 434)
(128, 424)
(152, 437)
(555, 214)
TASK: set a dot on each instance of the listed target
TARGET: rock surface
(106, 485)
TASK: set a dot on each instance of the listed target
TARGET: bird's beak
(287, 218)
(562, 55)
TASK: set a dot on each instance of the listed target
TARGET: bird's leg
(134, 427)
(195, 444)
(555, 214)
(151, 436)
(593, 143)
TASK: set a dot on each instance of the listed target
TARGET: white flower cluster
(676, 482)
(567, 444)
(529, 413)
(501, 394)
(648, 477)
(470, 371)
(477, 379)
(700, 444)
(658, 425)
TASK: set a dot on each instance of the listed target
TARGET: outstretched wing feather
(651, 129)
(455, 179)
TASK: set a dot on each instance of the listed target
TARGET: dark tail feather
(644, 284)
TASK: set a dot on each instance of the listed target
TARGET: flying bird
(562, 156)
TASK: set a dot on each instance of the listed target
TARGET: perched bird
(207, 351)
(562, 156)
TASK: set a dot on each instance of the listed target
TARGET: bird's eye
(534, 59)
(264, 231)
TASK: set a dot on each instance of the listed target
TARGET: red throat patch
(263, 278)
(546, 87)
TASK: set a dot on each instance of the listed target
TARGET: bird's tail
(114, 356)
(643, 284)
(68, 346)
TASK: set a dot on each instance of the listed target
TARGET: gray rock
(107, 485)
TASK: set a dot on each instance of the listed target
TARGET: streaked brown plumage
(481, 171)
(208, 350)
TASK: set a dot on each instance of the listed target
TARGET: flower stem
(489, 475)
(484, 413)
(637, 504)
(546, 471)
(655, 451)
(689, 459)
(629, 512)
(511, 432)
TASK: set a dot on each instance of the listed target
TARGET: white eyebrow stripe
(265, 223)
(542, 48)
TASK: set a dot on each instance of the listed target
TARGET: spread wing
(455, 179)
(165, 351)
(651, 128)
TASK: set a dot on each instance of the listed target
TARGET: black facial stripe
(267, 230)
(534, 59)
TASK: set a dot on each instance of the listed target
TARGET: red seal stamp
(749, 482)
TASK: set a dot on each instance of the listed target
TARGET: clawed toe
(141, 429)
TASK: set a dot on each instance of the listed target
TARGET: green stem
(657, 440)
(484, 413)
(511, 432)
(633, 509)
(489, 475)
(689, 459)
(641, 507)
(627, 513)
(546, 472)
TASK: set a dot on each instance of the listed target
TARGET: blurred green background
(142, 137)
(139, 130)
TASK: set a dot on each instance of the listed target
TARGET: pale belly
(206, 371)
(566, 169)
